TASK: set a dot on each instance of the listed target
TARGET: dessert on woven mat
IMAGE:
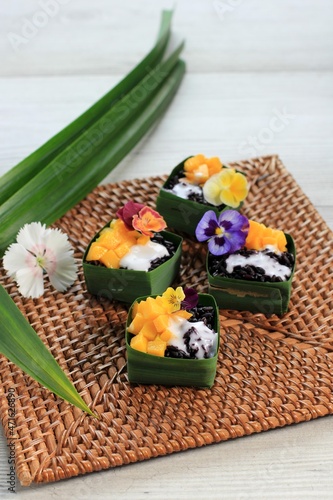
(170, 335)
(244, 259)
(196, 184)
(132, 255)
(173, 325)
(132, 241)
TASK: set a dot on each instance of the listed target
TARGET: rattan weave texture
(271, 371)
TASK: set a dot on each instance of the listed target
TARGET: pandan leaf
(76, 171)
(19, 175)
(20, 344)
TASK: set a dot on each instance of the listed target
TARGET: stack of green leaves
(50, 181)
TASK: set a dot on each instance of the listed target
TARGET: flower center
(219, 230)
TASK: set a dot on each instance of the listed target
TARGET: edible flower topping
(260, 236)
(148, 221)
(173, 298)
(225, 234)
(199, 168)
(127, 212)
(39, 250)
(227, 187)
(190, 300)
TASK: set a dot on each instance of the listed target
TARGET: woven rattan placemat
(271, 372)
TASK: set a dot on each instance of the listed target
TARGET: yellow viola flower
(173, 298)
(199, 168)
(228, 187)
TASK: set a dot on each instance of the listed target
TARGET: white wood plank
(246, 59)
(222, 35)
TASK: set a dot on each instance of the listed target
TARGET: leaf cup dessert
(196, 185)
(132, 255)
(249, 266)
(173, 339)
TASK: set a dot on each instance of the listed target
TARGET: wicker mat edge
(271, 371)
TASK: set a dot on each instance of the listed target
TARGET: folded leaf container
(149, 369)
(257, 297)
(179, 213)
(126, 285)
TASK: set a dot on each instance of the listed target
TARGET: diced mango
(135, 309)
(183, 314)
(136, 324)
(149, 330)
(150, 309)
(123, 249)
(161, 323)
(143, 240)
(95, 251)
(140, 343)
(156, 347)
(166, 335)
(109, 239)
(110, 259)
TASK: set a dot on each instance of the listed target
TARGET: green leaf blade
(20, 344)
(19, 175)
(63, 184)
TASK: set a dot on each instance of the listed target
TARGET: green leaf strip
(79, 168)
(19, 175)
(20, 344)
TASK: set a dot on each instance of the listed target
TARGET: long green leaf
(76, 171)
(20, 344)
(19, 175)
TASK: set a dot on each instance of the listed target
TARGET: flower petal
(231, 219)
(148, 221)
(127, 212)
(219, 245)
(190, 300)
(60, 263)
(236, 240)
(206, 226)
(30, 283)
(15, 259)
(32, 235)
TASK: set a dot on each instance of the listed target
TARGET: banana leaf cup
(149, 369)
(257, 297)
(183, 214)
(126, 285)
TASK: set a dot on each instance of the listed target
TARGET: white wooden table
(259, 81)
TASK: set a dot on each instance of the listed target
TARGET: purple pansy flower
(225, 234)
(191, 299)
(127, 212)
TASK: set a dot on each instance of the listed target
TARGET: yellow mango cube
(140, 343)
(183, 314)
(95, 251)
(110, 259)
(109, 239)
(161, 323)
(166, 335)
(156, 347)
(136, 324)
(148, 330)
(143, 240)
(123, 249)
(151, 309)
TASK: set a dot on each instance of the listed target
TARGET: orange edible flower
(198, 168)
(148, 222)
(260, 236)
